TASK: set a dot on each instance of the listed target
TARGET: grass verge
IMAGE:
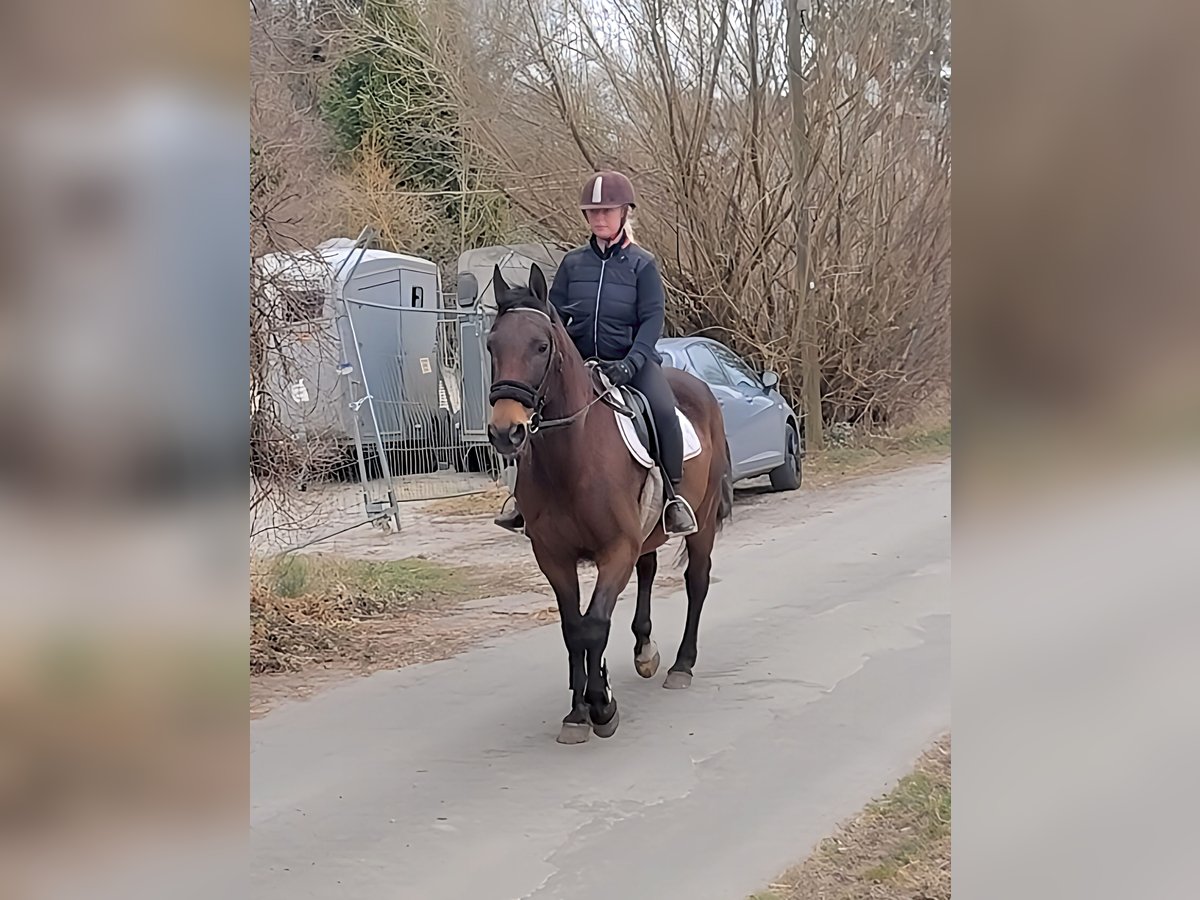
(314, 608)
(866, 454)
(898, 848)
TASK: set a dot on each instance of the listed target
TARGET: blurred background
(1077, 378)
(123, 434)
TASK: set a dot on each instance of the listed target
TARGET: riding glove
(619, 372)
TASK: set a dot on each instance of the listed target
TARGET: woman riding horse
(609, 295)
(587, 499)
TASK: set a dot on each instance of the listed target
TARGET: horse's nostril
(508, 439)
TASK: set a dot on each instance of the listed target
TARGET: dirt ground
(507, 591)
(898, 848)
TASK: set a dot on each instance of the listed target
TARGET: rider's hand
(619, 372)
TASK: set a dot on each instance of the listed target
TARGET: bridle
(534, 397)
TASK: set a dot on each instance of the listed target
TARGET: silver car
(763, 430)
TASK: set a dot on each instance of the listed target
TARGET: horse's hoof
(574, 733)
(647, 661)
(677, 681)
(609, 728)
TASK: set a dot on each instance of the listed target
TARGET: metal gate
(474, 366)
(417, 399)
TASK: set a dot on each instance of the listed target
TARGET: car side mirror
(770, 380)
(468, 289)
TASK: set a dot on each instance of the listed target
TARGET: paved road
(824, 670)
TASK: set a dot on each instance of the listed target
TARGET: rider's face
(605, 223)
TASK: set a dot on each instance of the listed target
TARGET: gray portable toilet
(381, 341)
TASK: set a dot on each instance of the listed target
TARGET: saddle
(631, 403)
(636, 421)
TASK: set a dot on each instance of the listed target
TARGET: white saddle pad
(691, 442)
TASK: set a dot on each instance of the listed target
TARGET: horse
(581, 492)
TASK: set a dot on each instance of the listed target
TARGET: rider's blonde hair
(629, 227)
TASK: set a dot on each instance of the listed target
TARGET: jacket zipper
(596, 318)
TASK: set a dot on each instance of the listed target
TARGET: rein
(535, 397)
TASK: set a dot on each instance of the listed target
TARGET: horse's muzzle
(508, 441)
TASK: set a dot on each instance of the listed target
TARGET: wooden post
(811, 363)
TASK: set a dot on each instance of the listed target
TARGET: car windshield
(706, 364)
(739, 372)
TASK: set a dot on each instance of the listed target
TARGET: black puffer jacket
(611, 301)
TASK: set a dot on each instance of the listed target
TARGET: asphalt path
(824, 670)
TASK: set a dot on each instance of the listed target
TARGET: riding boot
(513, 520)
(678, 517)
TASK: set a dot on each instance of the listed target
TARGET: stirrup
(685, 509)
(511, 520)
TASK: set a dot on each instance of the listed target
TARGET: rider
(609, 295)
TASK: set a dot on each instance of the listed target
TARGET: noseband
(532, 397)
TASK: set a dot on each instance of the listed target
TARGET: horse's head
(525, 359)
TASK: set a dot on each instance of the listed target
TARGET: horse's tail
(725, 507)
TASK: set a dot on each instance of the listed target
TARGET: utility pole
(814, 438)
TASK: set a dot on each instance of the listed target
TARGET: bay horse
(580, 491)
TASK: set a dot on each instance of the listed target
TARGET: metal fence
(419, 406)
(371, 380)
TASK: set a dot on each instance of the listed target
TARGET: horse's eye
(543, 347)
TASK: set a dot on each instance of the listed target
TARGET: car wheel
(786, 477)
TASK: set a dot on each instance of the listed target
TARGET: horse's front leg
(613, 572)
(564, 579)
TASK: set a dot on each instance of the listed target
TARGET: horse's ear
(499, 285)
(537, 284)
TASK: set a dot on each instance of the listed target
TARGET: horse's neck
(564, 460)
(562, 455)
(575, 385)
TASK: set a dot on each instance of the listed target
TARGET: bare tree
(289, 215)
(693, 100)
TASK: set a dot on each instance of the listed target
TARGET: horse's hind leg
(645, 651)
(696, 578)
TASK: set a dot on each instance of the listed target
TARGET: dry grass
(898, 848)
(308, 609)
(872, 454)
(484, 503)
